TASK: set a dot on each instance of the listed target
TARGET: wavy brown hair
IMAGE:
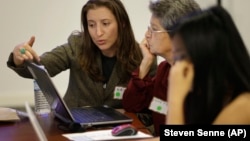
(128, 53)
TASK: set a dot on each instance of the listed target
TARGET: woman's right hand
(180, 83)
(180, 79)
(147, 55)
(27, 52)
(148, 59)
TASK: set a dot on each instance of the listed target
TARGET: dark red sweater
(139, 93)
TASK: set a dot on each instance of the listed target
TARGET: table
(22, 130)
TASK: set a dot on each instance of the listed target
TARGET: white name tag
(118, 93)
(158, 105)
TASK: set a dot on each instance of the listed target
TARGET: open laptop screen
(38, 129)
(87, 116)
(44, 81)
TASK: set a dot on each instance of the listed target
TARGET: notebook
(38, 129)
(85, 116)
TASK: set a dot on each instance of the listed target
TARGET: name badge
(158, 105)
(118, 93)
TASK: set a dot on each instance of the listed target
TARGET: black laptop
(85, 116)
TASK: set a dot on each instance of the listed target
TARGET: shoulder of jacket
(75, 38)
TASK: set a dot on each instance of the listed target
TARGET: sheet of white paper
(102, 135)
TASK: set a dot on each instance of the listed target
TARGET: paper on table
(102, 135)
(8, 114)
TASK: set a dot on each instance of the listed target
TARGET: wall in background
(53, 21)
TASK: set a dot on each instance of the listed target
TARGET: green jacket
(82, 90)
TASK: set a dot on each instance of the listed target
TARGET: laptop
(34, 122)
(85, 116)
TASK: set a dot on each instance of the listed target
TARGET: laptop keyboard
(89, 115)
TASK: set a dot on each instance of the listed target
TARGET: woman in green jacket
(100, 58)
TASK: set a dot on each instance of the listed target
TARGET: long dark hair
(221, 63)
(128, 53)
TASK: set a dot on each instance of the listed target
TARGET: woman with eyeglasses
(145, 93)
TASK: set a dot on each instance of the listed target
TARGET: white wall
(52, 21)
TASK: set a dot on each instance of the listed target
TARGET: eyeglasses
(151, 31)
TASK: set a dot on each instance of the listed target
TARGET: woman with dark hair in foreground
(210, 80)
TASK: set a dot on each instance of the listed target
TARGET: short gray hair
(170, 11)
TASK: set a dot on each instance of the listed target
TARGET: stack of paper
(8, 114)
